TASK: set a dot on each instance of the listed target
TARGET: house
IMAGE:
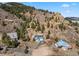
(62, 44)
(13, 36)
(38, 38)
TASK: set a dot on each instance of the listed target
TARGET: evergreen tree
(42, 29)
(48, 35)
(33, 26)
(38, 28)
(48, 24)
(77, 43)
(61, 26)
(51, 25)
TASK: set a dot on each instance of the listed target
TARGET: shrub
(77, 43)
(76, 24)
(26, 50)
(14, 44)
(56, 39)
(3, 23)
(27, 38)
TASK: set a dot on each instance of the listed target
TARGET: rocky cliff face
(53, 22)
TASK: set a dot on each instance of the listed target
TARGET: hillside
(28, 21)
(72, 18)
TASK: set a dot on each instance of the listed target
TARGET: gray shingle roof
(12, 35)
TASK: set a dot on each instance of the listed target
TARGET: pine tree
(48, 35)
(51, 25)
(38, 28)
(48, 24)
(33, 26)
(61, 26)
(77, 43)
(42, 29)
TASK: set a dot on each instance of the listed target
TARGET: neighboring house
(62, 44)
(38, 38)
(13, 36)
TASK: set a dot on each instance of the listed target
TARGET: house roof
(62, 43)
(12, 35)
(38, 38)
